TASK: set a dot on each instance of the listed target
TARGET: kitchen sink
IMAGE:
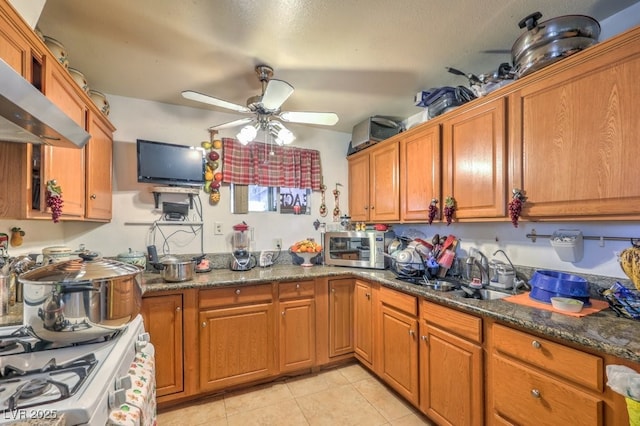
(483, 294)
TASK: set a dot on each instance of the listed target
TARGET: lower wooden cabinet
(163, 321)
(297, 334)
(451, 366)
(340, 317)
(237, 336)
(365, 299)
(397, 364)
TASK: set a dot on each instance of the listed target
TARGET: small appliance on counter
(242, 260)
(357, 249)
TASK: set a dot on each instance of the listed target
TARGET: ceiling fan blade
(275, 94)
(324, 118)
(233, 123)
(200, 97)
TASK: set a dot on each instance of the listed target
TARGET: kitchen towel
(524, 299)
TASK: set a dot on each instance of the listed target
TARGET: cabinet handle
(536, 344)
(93, 196)
(535, 393)
(238, 291)
(368, 296)
(425, 338)
(179, 308)
(297, 285)
(412, 333)
(333, 290)
(366, 207)
(204, 324)
(282, 313)
(373, 207)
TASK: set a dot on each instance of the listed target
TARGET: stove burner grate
(53, 382)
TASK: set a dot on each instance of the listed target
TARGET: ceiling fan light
(247, 134)
(285, 137)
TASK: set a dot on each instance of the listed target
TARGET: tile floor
(346, 395)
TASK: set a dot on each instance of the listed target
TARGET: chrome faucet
(482, 264)
(517, 283)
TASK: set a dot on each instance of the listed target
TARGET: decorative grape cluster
(449, 209)
(515, 206)
(54, 200)
(433, 210)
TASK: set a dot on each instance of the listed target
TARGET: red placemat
(524, 299)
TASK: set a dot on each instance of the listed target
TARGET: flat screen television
(170, 164)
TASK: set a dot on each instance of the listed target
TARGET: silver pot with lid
(549, 41)
(81, 299)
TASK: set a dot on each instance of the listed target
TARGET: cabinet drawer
(525, 397)
(459, 323)
(235, 295)
(398, 300)
(572, 364)
(296, 289)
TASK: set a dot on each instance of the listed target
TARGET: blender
(243, 260)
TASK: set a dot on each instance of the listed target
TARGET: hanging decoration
(449, 209)
(212, 173)
(433, 210)
(323, 203)
(515, 206)
(53, 198)
(336, 209)
(16, 236)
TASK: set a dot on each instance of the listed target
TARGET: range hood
(26, 115)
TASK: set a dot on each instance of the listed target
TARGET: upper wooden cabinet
(83, 174)
(474, 161)
(575, 135)
(374, 189)
(420, 172)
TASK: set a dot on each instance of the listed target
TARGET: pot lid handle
(530, 21)
(88, 255)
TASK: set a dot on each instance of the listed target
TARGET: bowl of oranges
(307, 250)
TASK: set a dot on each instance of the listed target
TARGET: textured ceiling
(354, 57)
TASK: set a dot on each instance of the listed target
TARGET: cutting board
(524, 299)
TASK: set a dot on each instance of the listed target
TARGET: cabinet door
(99, 160)
(297, 334)
(359, 187)
(384, 183)
(14, 48)
(451, 385)
(419, 173)
(576, 150)
(399, 352)
(340, 317)
(474, 161)
(66, 165)
(163, 321)
(363, 322)
(237, 345)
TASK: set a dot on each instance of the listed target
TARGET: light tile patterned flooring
(343, 396)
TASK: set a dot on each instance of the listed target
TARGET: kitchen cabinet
(575, 144)
(15, 48)
(397, 359)
(374, 188)
(474, 161)
(548, 383)
(237, 336)
(163, 321)
(340, 317)
(99, 161)
(297, 325)
(420, 171)
(451, 366)
(366, 301)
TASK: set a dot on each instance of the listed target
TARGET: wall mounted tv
(170, 164)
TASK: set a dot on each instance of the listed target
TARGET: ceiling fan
(265, 109)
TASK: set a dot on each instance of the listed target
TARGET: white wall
(132, 201)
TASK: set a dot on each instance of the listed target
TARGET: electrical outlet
(217, 228)
(277, 243)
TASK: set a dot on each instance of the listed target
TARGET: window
(257, 199)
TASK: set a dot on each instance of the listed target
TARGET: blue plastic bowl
(545, 296)
(567, 285)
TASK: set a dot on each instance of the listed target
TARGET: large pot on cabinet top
(546, 42)
(81, 299)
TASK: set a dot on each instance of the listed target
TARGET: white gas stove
(107, 381)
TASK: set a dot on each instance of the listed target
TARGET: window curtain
(270, 165)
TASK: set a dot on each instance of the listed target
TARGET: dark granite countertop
(602, 331)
